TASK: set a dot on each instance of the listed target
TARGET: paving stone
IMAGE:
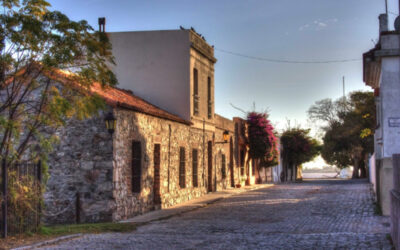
(330, 214)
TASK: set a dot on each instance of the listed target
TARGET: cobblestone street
(322, 214)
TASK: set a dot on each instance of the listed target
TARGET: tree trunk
(286, 171)
(259, 179)
(291, 172)
(356, 169)
(295, 172)
(265, 173)
(363, 168)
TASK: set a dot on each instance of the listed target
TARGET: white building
(382, 73)
(174, 69)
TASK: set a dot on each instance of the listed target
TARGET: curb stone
(49, 242)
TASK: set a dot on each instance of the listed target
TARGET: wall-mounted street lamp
(110, 121)
(225, 136)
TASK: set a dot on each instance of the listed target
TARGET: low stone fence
(395, 202)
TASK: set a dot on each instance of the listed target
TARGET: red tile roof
(115, 97)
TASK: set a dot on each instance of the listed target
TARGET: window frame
(195, 92)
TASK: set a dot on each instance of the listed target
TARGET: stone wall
(80, 166)
(91, 165)
(223, 124)
(171, 136)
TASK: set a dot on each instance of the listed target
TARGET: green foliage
(87, 228)
(335, 150)
(298, 147)
(35, 40)
(348, 137)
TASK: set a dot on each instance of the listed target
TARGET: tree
(263, 143)
(325, 110)
(348, 138)
(297, 148)
(335, 150)
(34, 40)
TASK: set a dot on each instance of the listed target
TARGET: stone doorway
(209, 151)
(156, 186)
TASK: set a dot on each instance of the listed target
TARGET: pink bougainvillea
(262, 139)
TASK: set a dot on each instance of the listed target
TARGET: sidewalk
(194, 204)
(163, 214)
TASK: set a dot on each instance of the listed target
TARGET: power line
(286, 61)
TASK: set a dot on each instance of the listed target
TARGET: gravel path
(327, 214)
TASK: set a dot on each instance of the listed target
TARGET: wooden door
(231, 163)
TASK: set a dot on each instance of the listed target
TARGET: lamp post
(110, 121)
(225, 136)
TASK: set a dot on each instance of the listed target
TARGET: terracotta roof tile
(116, 97)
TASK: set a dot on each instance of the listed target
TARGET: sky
(306, 30)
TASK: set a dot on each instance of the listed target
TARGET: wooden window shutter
(182, 170)
(223, 166)
(136, 166)
(195, 167)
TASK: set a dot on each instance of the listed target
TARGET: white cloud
(305, 26)
(318, 24)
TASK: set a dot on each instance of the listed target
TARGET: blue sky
(306, 30)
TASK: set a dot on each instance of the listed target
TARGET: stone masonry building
(161, 153)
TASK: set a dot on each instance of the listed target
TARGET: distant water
(318, 175)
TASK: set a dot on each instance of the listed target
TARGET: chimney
(383, 23)
(102, 24)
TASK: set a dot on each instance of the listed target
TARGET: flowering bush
(263, 142)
